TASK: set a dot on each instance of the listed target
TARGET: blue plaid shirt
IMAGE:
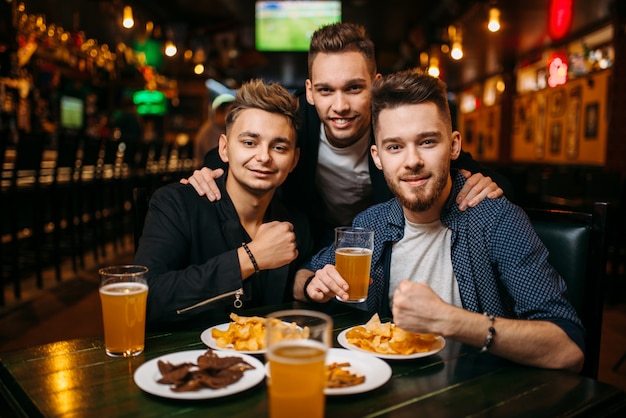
(499, 262)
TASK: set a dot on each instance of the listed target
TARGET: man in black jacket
(336, 177)
(240, 251)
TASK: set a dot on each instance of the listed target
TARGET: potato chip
(386, 338)
(244, 333)
(247, 333)
(339, 376)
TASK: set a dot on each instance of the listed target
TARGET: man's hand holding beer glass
(348, 280)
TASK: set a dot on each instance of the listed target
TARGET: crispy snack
(211, 371)
(386, 338)
(244, 333)
(338, 377)
(247, 333)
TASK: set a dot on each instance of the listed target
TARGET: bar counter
(76, 378)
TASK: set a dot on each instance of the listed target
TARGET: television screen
(72, 112)
(287, 26)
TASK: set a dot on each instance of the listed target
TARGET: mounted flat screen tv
(287, 26)
(72, 111)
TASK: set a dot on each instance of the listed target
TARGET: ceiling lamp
(457, 50)
(198, 68)
(494, 18)
(170, 49)
(456, 39)
(128, 21)
(433, 68)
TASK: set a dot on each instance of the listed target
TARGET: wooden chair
(577, 242)
(24, 201)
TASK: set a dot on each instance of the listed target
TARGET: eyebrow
(420, 136)
(348, 82)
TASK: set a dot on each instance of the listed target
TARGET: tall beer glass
(297, 342)
(123, 294)
(353, 259)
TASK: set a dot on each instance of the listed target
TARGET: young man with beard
(336, 177)
(479, 276)
(242, 250)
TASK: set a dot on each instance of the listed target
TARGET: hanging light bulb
(170, 49)
(494, 19)
(457, 50)
(128, 21)
(433, 68)
(457, 46)
(198, 68)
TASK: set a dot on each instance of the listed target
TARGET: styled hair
(268, 96)
(342, 37)
(406, 88)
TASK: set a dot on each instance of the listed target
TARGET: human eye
(324, 91)
(356, 88)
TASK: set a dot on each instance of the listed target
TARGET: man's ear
(309, 92)
(455, 146)
(222, 148)
(296, 158)
(375, 157)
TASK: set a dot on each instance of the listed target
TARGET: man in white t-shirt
(480, 276)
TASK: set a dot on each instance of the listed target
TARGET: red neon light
(557, 72)
(560, 16)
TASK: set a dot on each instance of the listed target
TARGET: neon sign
(557, 72)
(560, 16)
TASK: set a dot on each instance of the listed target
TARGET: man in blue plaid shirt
(478, 276)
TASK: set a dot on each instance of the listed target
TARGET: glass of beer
(353, 259)
(123, 294)
(297, 342)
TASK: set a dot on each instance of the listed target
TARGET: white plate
(437, 347)
(208, 339)
(147, 375)
(376, 371)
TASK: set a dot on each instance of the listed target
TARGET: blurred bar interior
(100, 96)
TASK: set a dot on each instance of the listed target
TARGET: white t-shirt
(342, 177)
(423, 255)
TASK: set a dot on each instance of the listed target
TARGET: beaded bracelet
(306, 294)
(492, 333)
(254, 263)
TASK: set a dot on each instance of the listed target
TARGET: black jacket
(190, 247)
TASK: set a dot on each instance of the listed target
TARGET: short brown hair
(409, 87)
(268, 96)
(342, 37)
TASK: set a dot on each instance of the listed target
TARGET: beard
(423, 198)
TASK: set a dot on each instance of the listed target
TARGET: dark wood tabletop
(76, 378)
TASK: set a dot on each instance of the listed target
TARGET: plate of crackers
(199, 374)
(387, 341)
(243, 334)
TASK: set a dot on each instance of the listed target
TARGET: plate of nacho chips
(244, 334)
(387, 341)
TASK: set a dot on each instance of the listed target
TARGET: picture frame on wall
(591, 120)
(556, 133)
(557, 103)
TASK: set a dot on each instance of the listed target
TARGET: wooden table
(76, 378)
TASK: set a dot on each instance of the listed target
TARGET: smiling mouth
(415, 181)
(262, 172)
(342, 121)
